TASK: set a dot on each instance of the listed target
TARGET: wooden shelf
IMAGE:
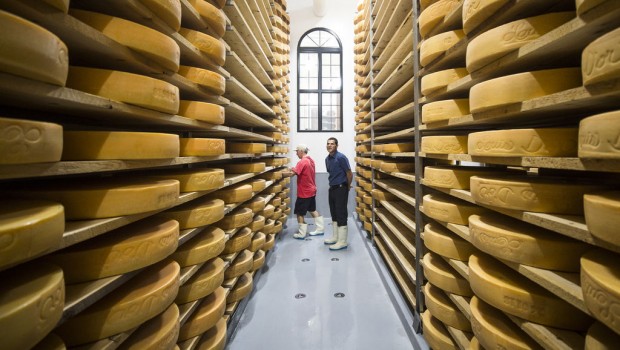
(399, 230)
(398, 273)
(550, 338)
(393, 75)
(246, 76)
(395, 16)
(399, 99)
(402, 212)
(405, 265)
(461, 338)
(241, 48)
(255, 27)
(400, 45)
(399, 188)
(241, 95)
(406, 134)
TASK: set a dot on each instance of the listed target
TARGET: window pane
(330, 112)
(308, 111)
(308, 71)
(330, 71)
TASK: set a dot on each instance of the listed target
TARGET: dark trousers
(338, 198)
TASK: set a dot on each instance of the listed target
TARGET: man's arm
(349, 178)
(288, 173)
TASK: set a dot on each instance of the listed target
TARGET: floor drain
(300, 296)
(339, 295)
(335, 259)
(305, 260)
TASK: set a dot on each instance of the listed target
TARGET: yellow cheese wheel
(511, 292)
(276, 202)
(599, 136)
(431, 16)
(214, 338)
(104, 145)
(516, 241)
(133, 89)
(234, 194)
(259, 260)
(436, 333)
(445, 243)
(138, 300)
(437, 45)
(257, 204)
(160, 332)
(541, 195)
(126, 249)
(598, 59)
(238, 218)
(243, 168)
(445, 144)
(601, 285)
(202, 147)
(456, 177)
(268, 211)
(602, 214)
(203, 111)
(213, 16)
(442, 308)
(50, 342)
(276, 135)
(494, 330)
(246, 147)
(497, 42)
(211, 81)
(444, 110)
(443, 276)
(204, 282)
(258, 185)
(441, 79)
(213, 48)
(258, 240)
(448, 209)
(270, 242)
(31, 51)
(548, 142)
(268, 229)
(521, 87)
(103, 198)
(242, 264)
(206, 315)
(168, 11)
(242, 288)
(199, 212)
(381, 195)
(27, 141)
(155, 46)
(585, 5)
(193, 179)
(401, 167)
(33, 298)
(239, 241)
(599, 337)
(477, 11)
(398, 147)
(207, 245)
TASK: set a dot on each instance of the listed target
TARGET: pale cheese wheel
(398, 147)
(268, 211)
(448, 209)
(204, 282)
(258, 184)
(214, 338)
(235, 194)
(213, 16)
(444, 144)
(381, 195)
(522, 243)
(601, 285)
(239, 241)
(259, 260)
(445, 243)
(99, 198)
(133, 303)
(246, 147)
(62, 5)
(200, 212)
(30, 51)
(33, 298)
(202, 147)
(437, 45)
(432, 15)
(28, 141)
(400, 167)
(242, 264)
(213, 48)
(193, 179)
(585, 5)
(497, 42)
(599, 136)
(160, 332)
(236, 219)
(257, 204)
(206, 315)
(108, 145)
(168, 11)
(270, 241)
(438, 80)
(456, 177)
(494, 330)
(133, 89)
(258, 240)
(243, 168)
(123, 250)
(155, 46)
(540, 142)
(211, 81)
(436, 333)
(205, 246)
(268, 229)
(599, 337)
(276, 202)
(521, 87)
(442, 308)
(203, 111)
(221, 3)
(242, 288)
(541, 195)
(50, 342)
(511, 292)
(475, 12)
(602, 214)
(474, 344)
(443, 276)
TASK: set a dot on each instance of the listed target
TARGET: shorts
(304, 205)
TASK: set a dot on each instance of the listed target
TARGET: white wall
(338, 18)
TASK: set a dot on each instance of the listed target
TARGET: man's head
(332, 145)
(301, 150)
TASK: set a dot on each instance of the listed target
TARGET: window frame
(319, 91)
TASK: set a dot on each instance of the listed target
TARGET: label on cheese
(107, 145)
(213, 48)
(162, 331)
(211, 81)
(448, 209)
(476, 12)
(239, 241)
(599, 60)
(437, 45)
(202, 147)
(238, 218)
(446, 144)
(28, 141)
(436, 333)
(199, 212)
(549, 142)
(242, 264)
(168, 11)
(204, 282)
(599, 136)
(192, 179)
(441, 79)
(445, 243)
(207, 245)
(206, 315)
(443, 276)
(456, 177)
(602, 216)
(213, 16)
(444, 309)
(601, 286)
(198, 110)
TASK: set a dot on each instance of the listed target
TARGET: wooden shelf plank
(239, 46)
(399, 230)
(241, 117)
(255, 27)
(386, 9)
(402, 116)
(236, 92)
(462, 303)
(550, 338)
(403, 212)
(401, 97)
(398, 78)
(406, 134)
(261, 18)
(462, 339)
(399, 188)
(246, 76)
(400, 16)
(400, 258)
(399, 45)
(398, 275)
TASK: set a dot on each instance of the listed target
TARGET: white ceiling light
(319, 7)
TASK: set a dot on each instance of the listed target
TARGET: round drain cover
(339, 295)
(305, 260)
(300, 296)
(335, 259)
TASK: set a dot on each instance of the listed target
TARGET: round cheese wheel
(206, 315)
(599, 337)
(193, 179)
(203, 111)
(235, 194)
(243, 168)
(445, 243)
(442, 308)
(258, 184)
(242, 288)
(547, 142)
(444, 110)
(268, 229)
(214, 338)
(445, 144)
(199, 212)
(436, 333)
(437, 45)
(202, 147)
(168, 11)
(585, 5)
(207, 245)
(238, 218)
(256, 204)
(448, 209)
(270, 241)
(381, 195)
(268, 211)
(246, 147)
(211, 81)
(441, 79)
(475, 12)
(602, 216)
(239, 241)
(432, 15)
(213, 16)
(401, 167)
(104, 145)
(599, 136)
(598, 61)
(456, 177)
(258, 240)
(443, 276)
(277, 227)
(161, 332)
(204, 282)
(242, 264)
(27, 141)
(213, 48)
(258, 260)
(601, 286)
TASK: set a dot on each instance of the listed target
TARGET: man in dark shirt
(340, 177)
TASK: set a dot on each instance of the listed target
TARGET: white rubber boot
(343, 232)
(302, 231)
(320, 227)
(334, 238)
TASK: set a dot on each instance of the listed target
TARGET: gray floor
(365, 318)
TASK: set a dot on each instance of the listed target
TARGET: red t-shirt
(306, 187)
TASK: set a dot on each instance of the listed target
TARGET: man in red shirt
(306, 193)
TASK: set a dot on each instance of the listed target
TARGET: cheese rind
(211, 81)
(475, 12)
(193, 179)
(206, 280)
(201, 212)
(214, 17)
(240, 241)
(258, 240)
(456, 177)
(243, 168)
(402, 167)
(206, 315)
(444, 110)
(443, 276)
(161, 332)
(443, 242)
(432, 15)
(445, 144)
(601, 286)
(206, 112)
(242, 288)
(602, 214)
(238, 218)
(448, 209)
(213, 48)
(444, 309)
(28, 141)
(441, 79)
(436, 333)
(214, 338)
(599, 337)
(202, 147)
(239, 266)
(599, 136)
(437, 45)
(259, 260)
(599, 60)
(246, 147)
(168, 11)
(235, 194)
(108, 145)
(547, 142)
(205, 246)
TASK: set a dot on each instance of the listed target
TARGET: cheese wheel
(258, 184)
(442, 308)
(474, 344)
(445, 243)
(242, 288)
(155, 46)
(160, 332)
(239, 241)
(444, 110)
(246, 147)
(598, 59)
(497, 42)
(456, 177)
(193, 179)
(443, 276)
(431, 16)
(602, 216)
(494, 330)
(401, 167)
(398, 147)
(448, 209)
(214, 338)
(29, 228)
(213, 48)
(270, 241)
(33, 298)
(50, 342)
(511, 292)
(107, 145)
(441, 79)
(27, 141)
(521, 87)
(436, 333)
(445, 144)
(259, 260)
(133, 89)
(204, 282)
(242, 264)
(206, 315)
(475, 12)
(600, 337)
(268, 229)
(211, 81)
(550, 142)
(257, 204)
(599, 136)
(585, 5)
(258, 240)
(203, 111)
(213, 16)
(235, 194)
(601, 286)
(99, 198)
(202, 147)
(381, 195)
(540, 195)
(238, 218)
(268, 211)
(207, 245)
(126, 249)
(437, 45)
(243, 168)
(197, 213)
(516, 241)
(276, 202)
(168, 11)
(30, 51)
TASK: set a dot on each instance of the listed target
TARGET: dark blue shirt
(337, 167)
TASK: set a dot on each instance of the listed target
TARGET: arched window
(319, 81)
